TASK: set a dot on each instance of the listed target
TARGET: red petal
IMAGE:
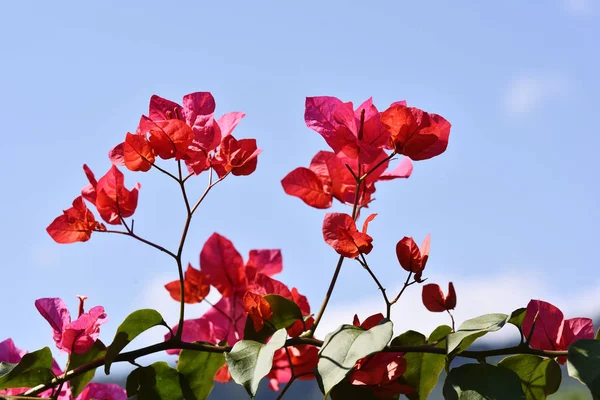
(433, 298)
(137, 153)
(224, 265)
(546, 333)
(409, 255)
(304, 183)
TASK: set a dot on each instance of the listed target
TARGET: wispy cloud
(527, 94)
(580, 7)
(480, 295)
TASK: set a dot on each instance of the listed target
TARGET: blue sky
(512, 206)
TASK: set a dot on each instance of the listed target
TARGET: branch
(176, 344)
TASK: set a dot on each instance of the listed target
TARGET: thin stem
(388, 305)
(287, 385)
(164, 171)
(141, 239)
(379, 164)
(334, 278)
(406, 284)
(186, 227)
(452, 318)
(176, 344)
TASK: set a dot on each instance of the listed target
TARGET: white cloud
(476, 296)
(501, 293)
(579, 7)
(529, 93)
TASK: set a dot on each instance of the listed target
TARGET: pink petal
(403, 170)
(228, 122)
(54, 310)
(548, 325)
(9, 353)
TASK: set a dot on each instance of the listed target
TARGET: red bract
(415, 133)
(195, 285)
(191, 133)
(236, 156)
(224, 265)
(75, 225)
(339, 231)
(77, 336)
(411, 258)
(112, 200)
(356, 133)
(225, 269)
(369, 322)
(138, 155)
(303, 358)
(551, 331)
(258, 309)
(380, 372)
(435, 300)
(328, 177)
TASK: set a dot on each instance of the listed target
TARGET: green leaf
(285, 313)
(250, 361)
(471, 329)
(598, 334)
(155, 382)
(33, 369)
(345, 346)
(198, 369)
(77, 360)
(482, 382)
(584, 364)
(516, 317)
(347, 391)
(539, 376)
(135, 323)
(423, 369)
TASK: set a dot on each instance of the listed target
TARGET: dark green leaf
(135, 323)
(482, 382)
(198, 368)
(285, 313)
(155, 382)
(345, 346)
(250, 361)
(346, 391)
(33, 369)
(423, 369)
(517, 317)
(77, 360)
(539, 376)
(598, 334)
(471, 329)
(584, 364)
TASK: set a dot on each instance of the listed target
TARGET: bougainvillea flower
(356, 133)
(240, 157)
(195, 285)
(435, 300)
(75, 225)
(339, 231)
(304, 361)
(225, 269)
(369, 322)
(112, 200)
(551, 331)
(104, 391)
(415, 133)
(380, 372)
(327, 177)
(257, 308)
(77, 336)
(189, 132)
(9, 353)
(411, 258)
